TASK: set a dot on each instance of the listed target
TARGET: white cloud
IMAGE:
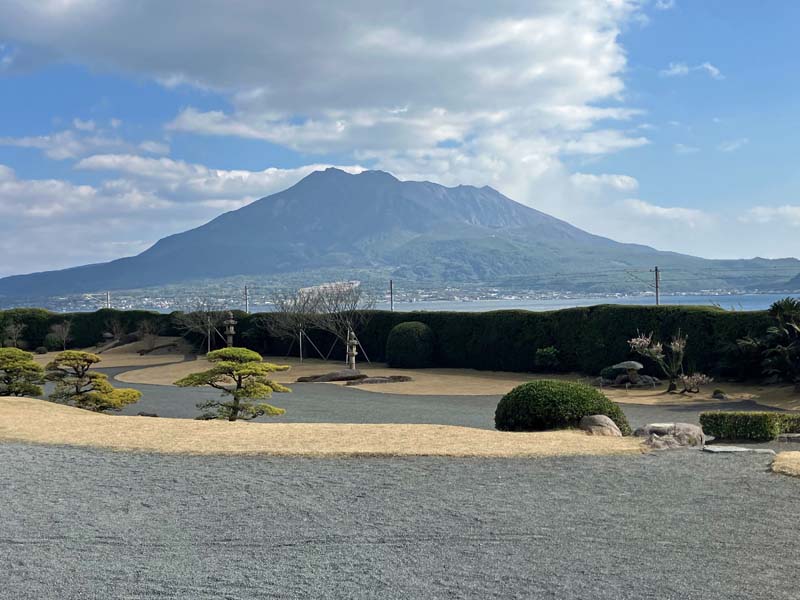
(623, 183)
(681, 69)
(83, 125)
(785, 214)
(685, 149)
(665, 4)
(689, 217)
(733, 145)
(375, 79)
(678, 69)
(67, 144)
(603, 142)
(191, 183)
(153, 147)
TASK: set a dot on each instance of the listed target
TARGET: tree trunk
(235, 411)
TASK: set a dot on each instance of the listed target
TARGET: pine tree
(77, 386)
(19, 374)
(242, 376)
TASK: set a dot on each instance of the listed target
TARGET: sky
(671, 123)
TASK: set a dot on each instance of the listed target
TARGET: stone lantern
(352, 349)
(230, 330)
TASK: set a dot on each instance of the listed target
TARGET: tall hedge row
(86, 329)
(587, 338)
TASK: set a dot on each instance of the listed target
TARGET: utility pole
(657, 272)
(246, 301)
(391, 295)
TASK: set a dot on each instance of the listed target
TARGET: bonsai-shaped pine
(242, 375)
(76, 385)
(19, 374)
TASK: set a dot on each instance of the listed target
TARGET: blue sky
(668, 123)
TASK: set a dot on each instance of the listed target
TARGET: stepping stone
(789, 437)
(736, 450)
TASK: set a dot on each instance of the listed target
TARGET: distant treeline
(587, 338)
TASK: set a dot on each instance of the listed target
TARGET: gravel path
(82, 523)
(323, 403)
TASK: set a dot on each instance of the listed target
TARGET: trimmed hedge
(410, 345)
(86, 328)
(588, 338)
(547, 404)
(753, 426)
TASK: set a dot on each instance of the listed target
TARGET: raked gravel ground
(83, 523)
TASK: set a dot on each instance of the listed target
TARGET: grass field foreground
(38, 421)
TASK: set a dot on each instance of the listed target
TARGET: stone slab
(736, 450)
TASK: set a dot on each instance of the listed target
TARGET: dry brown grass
(787, 463)
(128, 355)
(121, 359)
(37, 421)
(469, 382)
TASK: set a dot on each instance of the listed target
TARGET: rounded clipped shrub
(410, 345)
(41, 350)
(547, 404)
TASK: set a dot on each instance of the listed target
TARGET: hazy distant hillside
(419, 230)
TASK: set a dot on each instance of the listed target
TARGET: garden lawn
(38, 421)
(470, 382)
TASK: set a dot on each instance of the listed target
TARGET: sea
(726, 301)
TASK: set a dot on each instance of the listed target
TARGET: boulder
(719, 395)
(343, 375)
(599, 425)
(672, 435)
(380, 379)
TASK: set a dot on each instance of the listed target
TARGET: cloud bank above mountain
(515, 94)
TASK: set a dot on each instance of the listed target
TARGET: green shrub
(41, 350)
(790, 423)
(410, 345)
(547, 358)
(547, 404)
(52, 342)
(753, 426)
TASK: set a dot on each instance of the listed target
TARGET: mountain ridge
(332, 219)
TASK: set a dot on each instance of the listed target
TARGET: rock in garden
(343, 375)
(672, 435)
(146, 414)
(599, 425)
(380, 379)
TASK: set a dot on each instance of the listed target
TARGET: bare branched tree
(13, 333)
(203, 318)
(148, 332)
(61, 333)
(292, 316)
(115, 328)
(342, 308)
